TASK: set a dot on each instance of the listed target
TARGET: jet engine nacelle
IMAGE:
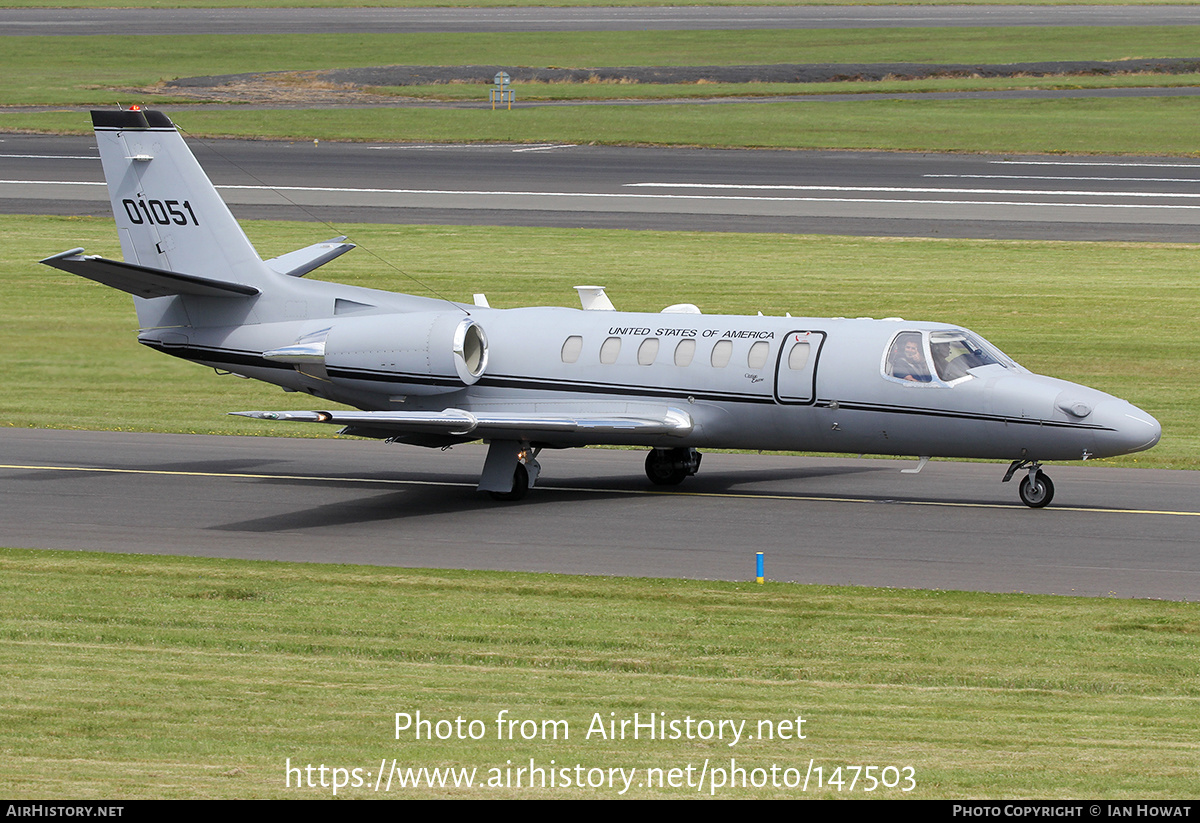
(427, 352)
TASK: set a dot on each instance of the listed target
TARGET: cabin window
(798, 356)
(571, 349)
(609, 350)
(648, 351)
(685, 351)
(721, 353)
(757, 358)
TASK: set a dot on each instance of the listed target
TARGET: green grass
(53, 71)
(56, 71)
(184, 677)
(1116, 316)
(458, 92)
(1095, 126)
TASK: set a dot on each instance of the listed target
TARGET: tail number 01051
(160, 212)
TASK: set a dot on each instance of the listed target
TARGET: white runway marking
(713, 193)
(732, 197)
(52, 156)
(1096, 164)
(53, 182)
(1063, 177)
(917, 190)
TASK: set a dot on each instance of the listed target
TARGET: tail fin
(187, 261)
(169, 216)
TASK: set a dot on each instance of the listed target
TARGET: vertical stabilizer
(169, 216)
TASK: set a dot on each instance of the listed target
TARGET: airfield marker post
(501, 91)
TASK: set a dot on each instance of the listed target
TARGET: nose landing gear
(1036, 490)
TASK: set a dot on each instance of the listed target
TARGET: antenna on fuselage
(593, 298)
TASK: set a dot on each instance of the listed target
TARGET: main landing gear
(510, 470)
(520, 486)
(1036, 490)
(669, 467)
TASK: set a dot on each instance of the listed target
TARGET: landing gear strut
(1036, 490)
(669, 467)
(510, 470)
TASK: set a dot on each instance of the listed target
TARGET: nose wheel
(1036, 490)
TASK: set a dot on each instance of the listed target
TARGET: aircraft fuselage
(734, 376)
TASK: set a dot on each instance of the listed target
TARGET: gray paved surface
(869, 193)
(299, 21)
(1128, 533)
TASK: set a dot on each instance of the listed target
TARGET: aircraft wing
(493, 424)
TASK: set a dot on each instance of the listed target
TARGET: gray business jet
(430, 372)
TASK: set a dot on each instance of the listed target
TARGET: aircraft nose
(1127, 428)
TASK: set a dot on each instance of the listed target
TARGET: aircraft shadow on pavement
(255, 465)
(450, 494)
(732, 480)
(398, 506)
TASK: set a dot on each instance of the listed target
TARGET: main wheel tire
(520, 486)
(663, 469)
(1037, 493)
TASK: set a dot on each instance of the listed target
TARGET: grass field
(73, 360)
(49, 71)
(185, 677)
(1094, 126)
(461, 92)
(53, 70)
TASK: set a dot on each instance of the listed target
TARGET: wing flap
(670, 421)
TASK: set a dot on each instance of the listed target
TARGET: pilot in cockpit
(907, 362)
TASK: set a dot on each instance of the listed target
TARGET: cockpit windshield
(952, 354)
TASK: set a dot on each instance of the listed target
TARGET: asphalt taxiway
(166, 22)
(828, 192)
(1109, 532)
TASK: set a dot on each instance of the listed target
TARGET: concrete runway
(164, 22)
(866, 193)
(1109, 532)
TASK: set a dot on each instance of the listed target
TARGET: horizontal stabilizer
(300, 262)
(458, 422)
(144, 281)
